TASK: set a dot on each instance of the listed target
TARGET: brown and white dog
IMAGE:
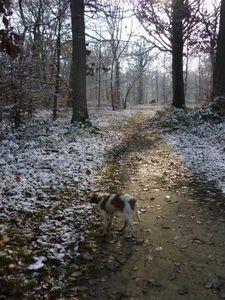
(110, 203)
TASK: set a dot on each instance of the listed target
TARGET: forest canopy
(115, 54)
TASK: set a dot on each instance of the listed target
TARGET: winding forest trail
(179, 249)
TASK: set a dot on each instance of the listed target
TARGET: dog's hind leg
(128, 218)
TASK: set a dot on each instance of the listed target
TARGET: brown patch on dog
(132, 203)
(104, 202)
(117, 202)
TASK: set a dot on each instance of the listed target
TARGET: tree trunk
(212, 66)
(199, 79)
(164, 80)
(219, 71)
(177, 55)
(140, 91)
(140, 87)
(117, 84)
(58, 53)
(112, 96)
(107, 88)
(99, 74)
(70, 90)
(157, 86)
(79, 101)
(186, 72)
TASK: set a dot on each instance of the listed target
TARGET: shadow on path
(178, 252)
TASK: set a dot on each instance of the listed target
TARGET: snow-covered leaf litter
(44, 157)
(58, 159)
(202, 147)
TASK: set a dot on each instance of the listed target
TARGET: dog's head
(93, 197)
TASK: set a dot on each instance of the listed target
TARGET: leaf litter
(179, 257)
(46, 171)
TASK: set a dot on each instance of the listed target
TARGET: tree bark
(157, 86)
(112, 96)
(140, 91)
(79, 101)
(99, 74)
(58, 53)
(117, 84)
(140, 85)
(177, 55)
(219, 71)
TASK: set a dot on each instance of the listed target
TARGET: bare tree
(204, 40)
(113, 14)
(61, 7)
(169, 25)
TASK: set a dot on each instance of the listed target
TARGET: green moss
(27, 256)
(69, 269)
(5, 259)
(111, 167)
(11, 231)
(57, 290)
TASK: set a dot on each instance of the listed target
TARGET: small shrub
(175, 118)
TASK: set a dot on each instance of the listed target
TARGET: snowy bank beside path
(51, 155)
(202, 147)
(46, 170)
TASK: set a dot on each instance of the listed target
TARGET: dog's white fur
(110, 203)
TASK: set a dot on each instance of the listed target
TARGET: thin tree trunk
(164, 80)
(117, 84)
(58, 53)
(140, 91)
(70, 89)
(99, 75)
(107, 88)
(111, 87)
(157, 86)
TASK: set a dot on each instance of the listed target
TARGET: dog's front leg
(105, 222)
(125, 225)
(110, 222)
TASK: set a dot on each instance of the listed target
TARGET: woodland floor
(177, 253)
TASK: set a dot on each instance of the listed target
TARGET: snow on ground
(202, 147)
(44, 157)
(51, 155)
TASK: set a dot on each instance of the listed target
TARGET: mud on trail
(178, 252)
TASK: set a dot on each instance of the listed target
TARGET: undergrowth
(175, 118)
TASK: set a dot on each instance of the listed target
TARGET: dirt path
(179, 250)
